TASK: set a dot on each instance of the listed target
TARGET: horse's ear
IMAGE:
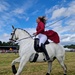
(13, 27)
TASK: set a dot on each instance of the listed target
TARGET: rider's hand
(34, 34)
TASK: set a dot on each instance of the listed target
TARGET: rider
(42, 36)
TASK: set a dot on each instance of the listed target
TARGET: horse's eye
(11, 33)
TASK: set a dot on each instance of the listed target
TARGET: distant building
(69, 50)
(8, 49)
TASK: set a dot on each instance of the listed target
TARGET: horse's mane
(25, 31)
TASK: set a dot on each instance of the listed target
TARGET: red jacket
(52, 35)
(40, 28)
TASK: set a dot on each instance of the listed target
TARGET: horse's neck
(23, 37)
(21, 34)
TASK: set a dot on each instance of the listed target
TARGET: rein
(25, 38)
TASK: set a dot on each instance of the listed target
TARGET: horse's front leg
(23, 61)
(13, 65)
(49, 68)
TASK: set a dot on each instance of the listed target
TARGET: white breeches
(42, 38)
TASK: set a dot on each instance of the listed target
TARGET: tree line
(11, 44)
(7, 44)
(72, 46)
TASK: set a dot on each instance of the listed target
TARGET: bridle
(16, 39)
(13, 35)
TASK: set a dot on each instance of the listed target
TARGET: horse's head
(19, 34)
(13, 35)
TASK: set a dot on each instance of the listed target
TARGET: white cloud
(68, 39)
(58, 13)
(64, 0)
(30, 30)
(27, 18)
(71, 9)
(33, 13)
(5, 37)
(19, 11)
(48, 11)
(64, 11)
(3, 6)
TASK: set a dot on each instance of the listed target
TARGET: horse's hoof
(47, 74)
(14, 69)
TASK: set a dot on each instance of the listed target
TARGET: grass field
(37, 68)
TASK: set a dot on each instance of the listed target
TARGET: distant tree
(0, 43)
(70, 46)
(4, 44)
(7, 44)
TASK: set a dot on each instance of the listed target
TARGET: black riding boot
(45, 52)
(36, 44)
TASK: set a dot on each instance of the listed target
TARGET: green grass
(37, 68)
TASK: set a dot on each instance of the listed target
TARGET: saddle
(47, 42)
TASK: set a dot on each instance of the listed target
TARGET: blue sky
(23, 14)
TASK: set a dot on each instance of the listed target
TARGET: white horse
(27, 52)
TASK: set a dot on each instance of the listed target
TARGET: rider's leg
(45, 52)
(43, 39)
(40, 38)
(36, 43)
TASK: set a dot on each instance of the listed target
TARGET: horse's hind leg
(61, 61)
(49, 68)
(13, 65)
